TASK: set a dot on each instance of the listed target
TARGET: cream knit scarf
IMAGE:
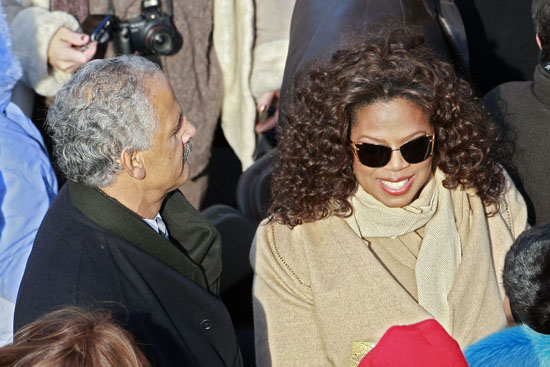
(441, 249)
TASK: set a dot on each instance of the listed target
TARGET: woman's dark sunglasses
(414, 151)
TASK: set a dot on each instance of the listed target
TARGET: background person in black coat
(522, 108)
(320, 27)
(120, 235)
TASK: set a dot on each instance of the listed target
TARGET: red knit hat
(425, 344)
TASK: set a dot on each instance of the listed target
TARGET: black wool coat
(93, 252)
(522, 109)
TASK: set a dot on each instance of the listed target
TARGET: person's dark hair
(71, 337)
(540, 11)
(313, 177)
(526, 278)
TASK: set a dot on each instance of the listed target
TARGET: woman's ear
(132, 161)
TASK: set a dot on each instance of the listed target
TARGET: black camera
(150, 33)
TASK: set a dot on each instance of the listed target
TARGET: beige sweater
(318, 290)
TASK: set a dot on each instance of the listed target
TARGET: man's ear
(538, 41)
(133, 164)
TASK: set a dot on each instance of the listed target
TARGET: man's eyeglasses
(414, 151)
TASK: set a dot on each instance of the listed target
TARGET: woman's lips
(398, 186)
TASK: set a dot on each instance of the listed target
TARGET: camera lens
(161, 41)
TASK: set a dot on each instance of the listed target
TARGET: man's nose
(189, 131)
(192, 129)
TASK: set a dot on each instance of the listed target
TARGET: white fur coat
(32, 26)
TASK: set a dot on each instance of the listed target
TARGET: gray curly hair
(101, 111)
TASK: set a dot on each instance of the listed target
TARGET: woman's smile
(398, 186)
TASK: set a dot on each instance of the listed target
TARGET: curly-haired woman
(389, 207)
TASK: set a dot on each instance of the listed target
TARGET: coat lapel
(115, 218)
(476, 306)
(354, 294)
(363, 268)
(367, 267)
(200, 240)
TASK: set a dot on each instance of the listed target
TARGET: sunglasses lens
(417, 150)
(373, 155)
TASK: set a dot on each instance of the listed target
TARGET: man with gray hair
(120, 235)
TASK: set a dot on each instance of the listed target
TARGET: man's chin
(185, 174)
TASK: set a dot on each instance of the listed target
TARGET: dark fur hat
(526, 278)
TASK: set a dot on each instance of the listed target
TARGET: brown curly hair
(313, 178)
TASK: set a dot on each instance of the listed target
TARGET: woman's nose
(397, 162)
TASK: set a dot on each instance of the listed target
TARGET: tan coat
(318, 289)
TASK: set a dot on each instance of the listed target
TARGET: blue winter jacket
(27, 184)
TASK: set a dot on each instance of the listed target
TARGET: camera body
(151, 33)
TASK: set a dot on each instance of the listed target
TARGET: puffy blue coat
(27, 184)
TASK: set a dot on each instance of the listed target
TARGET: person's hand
(267, 118)
(68, 50)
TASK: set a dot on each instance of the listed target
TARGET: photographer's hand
(65, 51)
(264, 102)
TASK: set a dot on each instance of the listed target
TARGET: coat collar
(194, 249)
(368, 268)
(541, 88)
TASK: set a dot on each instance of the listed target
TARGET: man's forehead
(155, 82)
(164, 102)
